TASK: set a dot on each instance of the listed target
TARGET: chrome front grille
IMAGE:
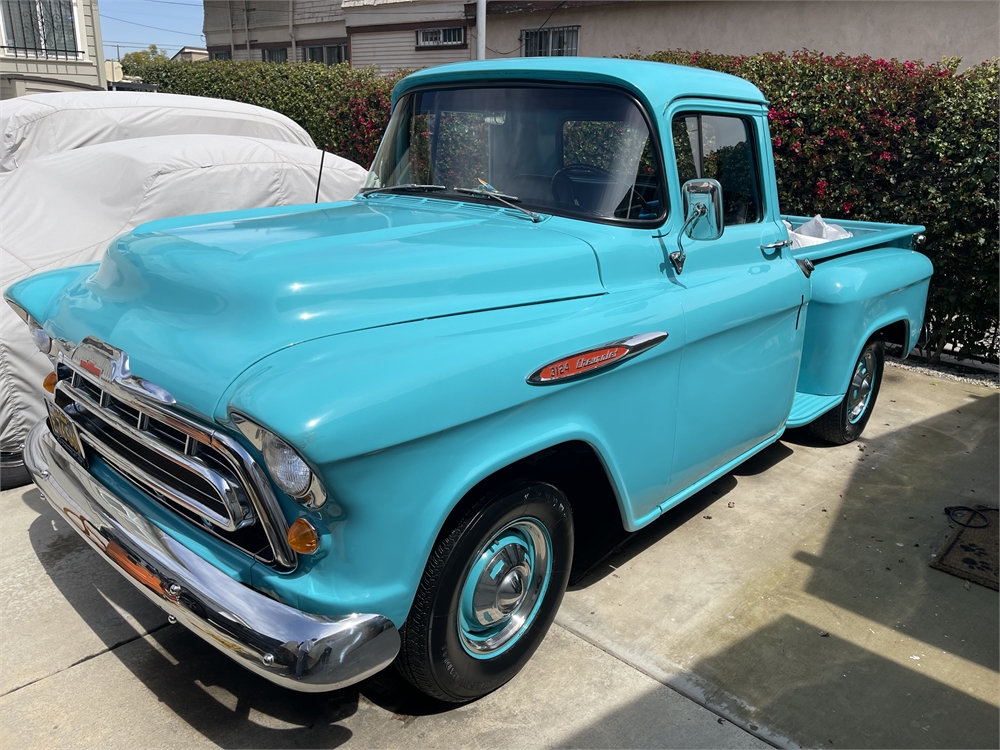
(196, 471)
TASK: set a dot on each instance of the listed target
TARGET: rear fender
(853, 297)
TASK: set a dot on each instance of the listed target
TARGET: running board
(808, 406)
(701, 484)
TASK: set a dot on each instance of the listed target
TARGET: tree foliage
(148, 56)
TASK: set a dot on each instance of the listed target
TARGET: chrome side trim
(634, 345)
(295, 649)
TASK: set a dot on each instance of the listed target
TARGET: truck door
(744, 304)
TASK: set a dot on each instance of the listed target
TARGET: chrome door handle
(776, 245)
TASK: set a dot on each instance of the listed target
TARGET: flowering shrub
(345, 110)
(853, 137)
(899, 142)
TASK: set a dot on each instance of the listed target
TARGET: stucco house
(50, 45)
(391, 34)
(190, 54)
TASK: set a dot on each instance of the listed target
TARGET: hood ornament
(110, 365)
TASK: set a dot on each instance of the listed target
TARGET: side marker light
(49, 383)
(302, 537)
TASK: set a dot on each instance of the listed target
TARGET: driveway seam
(770, 740)
(87, 658)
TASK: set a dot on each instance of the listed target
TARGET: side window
(721, 148)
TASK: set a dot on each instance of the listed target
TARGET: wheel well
(575, 469)
(896, 337)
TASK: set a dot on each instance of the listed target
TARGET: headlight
(289, 471)
(286, 467)
(42, 340)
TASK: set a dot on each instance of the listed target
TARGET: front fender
(39, 294)
(402, 421)
(853, 297)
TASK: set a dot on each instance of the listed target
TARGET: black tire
(13, 472)
(435, 654)
(843, 424)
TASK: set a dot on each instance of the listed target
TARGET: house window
(40, 28)
(221, 55)
(558, 41)
(330, 54)
(278, 55)
(454, 37)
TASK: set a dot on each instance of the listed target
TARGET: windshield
(567, 150)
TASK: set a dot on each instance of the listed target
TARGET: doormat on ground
(972, 551)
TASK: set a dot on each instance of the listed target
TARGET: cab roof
(655, 83)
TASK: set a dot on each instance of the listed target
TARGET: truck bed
(868, 235)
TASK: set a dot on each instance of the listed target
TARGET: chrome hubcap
(505, 584)
(861, 387)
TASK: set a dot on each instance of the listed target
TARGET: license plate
(65, 432)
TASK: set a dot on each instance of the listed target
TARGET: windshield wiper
(408, 188)
(507, 200)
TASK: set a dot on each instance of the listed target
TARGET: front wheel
(847, 421)
(489, 594)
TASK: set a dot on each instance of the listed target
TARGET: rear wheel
(489, 594)
(847, 421)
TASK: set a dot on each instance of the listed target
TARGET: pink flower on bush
(821, 187)
(847, 206)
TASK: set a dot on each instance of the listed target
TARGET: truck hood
(196, 301)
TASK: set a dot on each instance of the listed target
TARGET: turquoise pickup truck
(327, 438)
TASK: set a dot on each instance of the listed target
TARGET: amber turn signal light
(302, 537)
(49, 383)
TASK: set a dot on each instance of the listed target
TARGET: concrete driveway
(791, 601)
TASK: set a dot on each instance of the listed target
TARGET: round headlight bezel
(286, 467)
(41, 339)
(313, 496)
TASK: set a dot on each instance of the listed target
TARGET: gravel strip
(990, 380)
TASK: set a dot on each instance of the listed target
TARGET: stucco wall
(905, 29)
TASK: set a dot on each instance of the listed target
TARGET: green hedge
(883, 140)
(853, 137)
(345, 110)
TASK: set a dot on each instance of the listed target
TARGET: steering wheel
(562, 180)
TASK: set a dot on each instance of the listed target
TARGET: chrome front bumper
(301, 651)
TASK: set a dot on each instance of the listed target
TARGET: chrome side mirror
(703, 216)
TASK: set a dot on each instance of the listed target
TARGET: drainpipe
(232, 35)
(291, 28)
(246, 24)
(480, 29)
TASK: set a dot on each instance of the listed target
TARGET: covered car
(65, 208)
(42, 124)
